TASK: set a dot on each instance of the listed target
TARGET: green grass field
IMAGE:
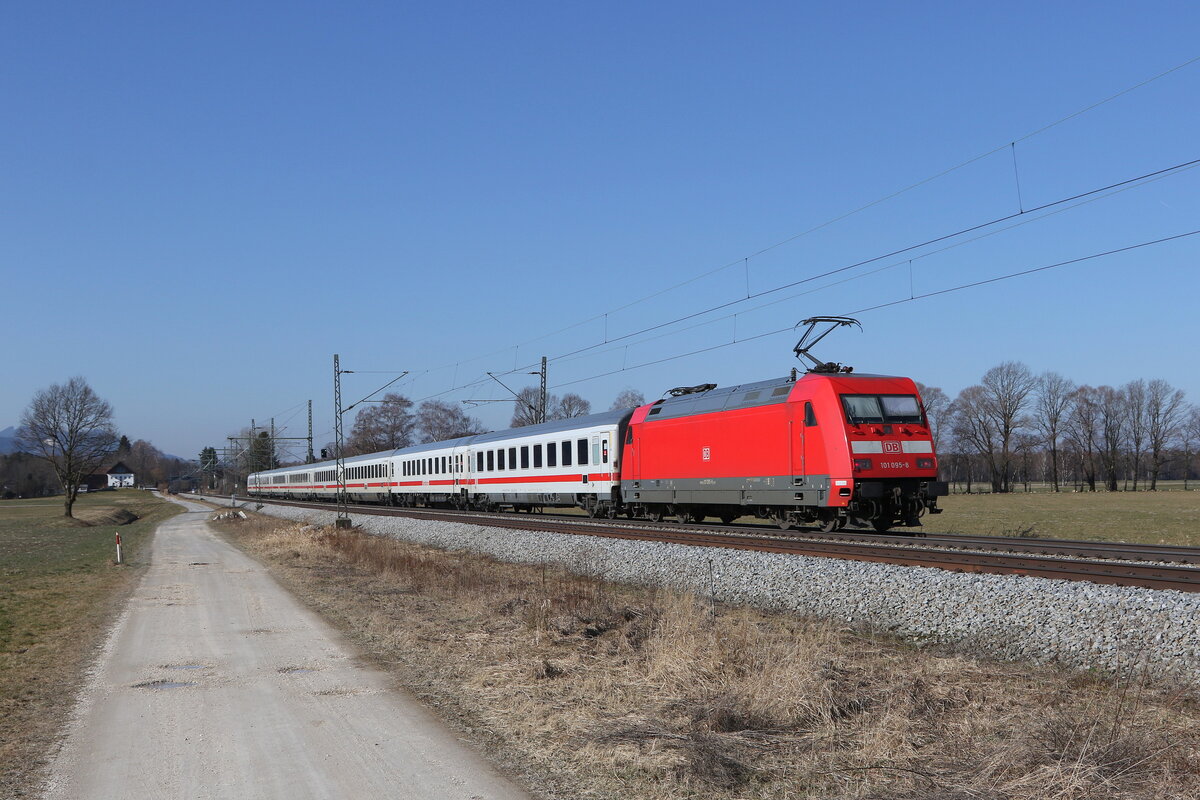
(59, 589)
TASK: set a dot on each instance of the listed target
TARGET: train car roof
(556, 426)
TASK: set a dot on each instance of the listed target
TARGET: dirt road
(216, 683)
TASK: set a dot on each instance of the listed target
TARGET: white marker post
(118, 547)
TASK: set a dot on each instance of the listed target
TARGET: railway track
(1098, 562)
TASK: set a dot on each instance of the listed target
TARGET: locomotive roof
(743, 395)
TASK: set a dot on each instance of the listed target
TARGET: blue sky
(245, 189)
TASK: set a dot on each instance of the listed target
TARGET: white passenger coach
(570, 462)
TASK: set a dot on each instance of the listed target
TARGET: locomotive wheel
(829, 525)
(728, 518)
(841, 523)
(656, 514)
(682, 516)
(783, 521)
(697, 517)
(881, 525)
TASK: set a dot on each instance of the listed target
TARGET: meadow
(60, 589)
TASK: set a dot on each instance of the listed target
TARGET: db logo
(891, 447)
(705, 453)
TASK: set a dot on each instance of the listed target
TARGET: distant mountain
(8, 443)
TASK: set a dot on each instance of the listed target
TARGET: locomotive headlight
(924, 463)
(862, 464)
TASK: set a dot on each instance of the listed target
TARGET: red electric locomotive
(829, 447)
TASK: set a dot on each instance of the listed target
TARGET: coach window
(512, 458)
(537, 456)
(479, 462)
(491, 461)
(525, 457)
(596, 450)
(581, 452)
(566, 454)
(552, 454)
(500, 458)
(443, 465)
(810, 416)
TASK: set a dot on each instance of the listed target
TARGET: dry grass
(596, 690)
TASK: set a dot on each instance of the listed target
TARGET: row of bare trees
(1015, 425)
(393, 422)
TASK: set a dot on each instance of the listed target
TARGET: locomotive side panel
(741, 457)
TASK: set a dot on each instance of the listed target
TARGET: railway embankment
(1113, 629)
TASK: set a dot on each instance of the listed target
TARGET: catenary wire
(832, 221)
(901, 301)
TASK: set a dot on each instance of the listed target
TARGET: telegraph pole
(343, 517)
(542, 396)
(310, 450)
(343, 512)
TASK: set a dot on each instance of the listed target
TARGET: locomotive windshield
(894, 409)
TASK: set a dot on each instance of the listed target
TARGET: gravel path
(217, 683)
(1084, 625)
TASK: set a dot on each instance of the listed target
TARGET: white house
(119, 476)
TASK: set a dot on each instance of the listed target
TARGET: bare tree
(937, 409)
(440, 421)
(1052, 404)
(386, 425)
(1025, 445)
(1136, 424)
(1189, 439)
(628, 398)
(146, 461)
(571, 405)
(71, 428)
(528, 409)
(1113, 432)
(1083, 431)
(989, 415)
(1165, 413)
(972, 427)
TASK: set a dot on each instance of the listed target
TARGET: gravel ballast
(1040, 620)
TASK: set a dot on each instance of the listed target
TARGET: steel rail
(907, 551)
